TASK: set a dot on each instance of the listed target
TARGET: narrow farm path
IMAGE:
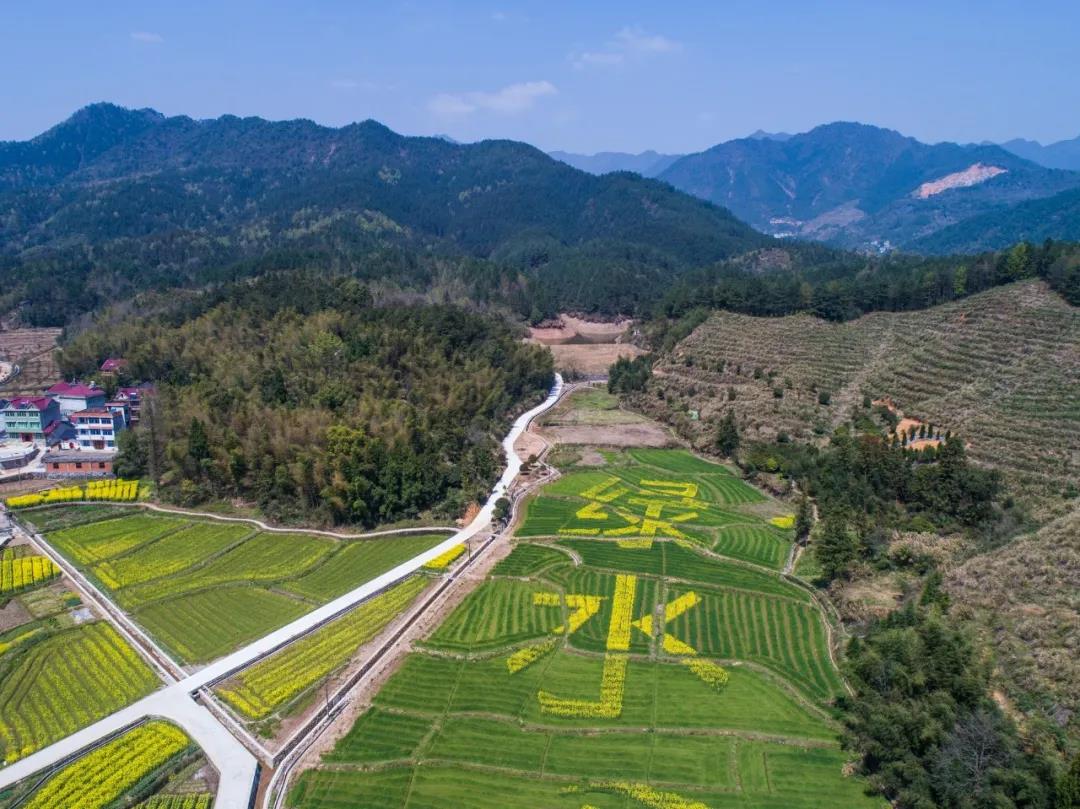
(237, 767)
(263, 526)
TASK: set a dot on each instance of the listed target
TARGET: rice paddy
(641, 669)
(203, 588)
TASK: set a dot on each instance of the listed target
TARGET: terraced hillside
(1026, 597)
(600, 667)
(1001, 368)
(204, 588)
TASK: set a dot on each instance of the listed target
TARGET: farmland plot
(638, 670)
(650, 494)
(202, 588)
(279, 679)
(120, 771)
(52, 685)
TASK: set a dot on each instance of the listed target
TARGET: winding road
(237, 767)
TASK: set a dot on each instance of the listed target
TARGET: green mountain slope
(1056, 217)
(861, 186)
(115, 200)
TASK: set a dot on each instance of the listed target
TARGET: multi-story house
(133, 398)
(27, 418)
(97, 428)
(75, 396)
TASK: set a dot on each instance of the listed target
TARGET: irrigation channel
(237, 766)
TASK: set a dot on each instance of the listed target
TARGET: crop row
(752, 542)
(53, 687)
(188, 801)
(672, 560)
(444, 560)
(786, 636)
(170, 554)
(99, 541)
(527, 768)
(21, 574)
(111, 491)
(103, 776)
(277, 680)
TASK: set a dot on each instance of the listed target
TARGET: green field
(203, 588)
(603, 672)
(358, 560)
(120, 772)
(55, 683)
(649, 494)
(208, 624)
(278, 680)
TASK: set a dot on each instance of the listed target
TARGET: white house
(97, 428)
(75, 396)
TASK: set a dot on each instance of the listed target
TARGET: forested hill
(297, 393)
(113, 200)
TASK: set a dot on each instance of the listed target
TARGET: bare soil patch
(12, 615)
(32, 350)
(567, 329)
(585, 347)
(591, 359)
(644, 434)
(529, 443)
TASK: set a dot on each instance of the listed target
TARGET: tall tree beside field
(804, 518)
(836, 546)
(727, 435)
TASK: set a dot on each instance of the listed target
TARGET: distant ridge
(863, 187)
(1065, 154)
(647, 164)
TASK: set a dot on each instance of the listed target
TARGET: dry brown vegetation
(1026, 597)
(593, 416)
(584, 347)
(1001, 368)
(32, 350)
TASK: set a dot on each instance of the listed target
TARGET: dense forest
(115, 202)
(297, 392)
(927, 729)
(866, 487)
(842, 286)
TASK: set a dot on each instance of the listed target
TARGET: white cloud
(344, 84)
(636, 40)
(598, 58)
(628, 42)
(509, 100)
(147, 37)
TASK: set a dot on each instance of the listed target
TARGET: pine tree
(836, 547)
(804, 518)
(727, 435)
(198, 445)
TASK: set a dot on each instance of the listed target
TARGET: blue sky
(581, 76)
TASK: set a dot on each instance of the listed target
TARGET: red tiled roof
(113, 364)
(26, 402)
(93, 411)
(74, 389)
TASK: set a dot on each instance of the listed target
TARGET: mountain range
(868, 188)
(114, 201)
(1064, 154)
(121, 200)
